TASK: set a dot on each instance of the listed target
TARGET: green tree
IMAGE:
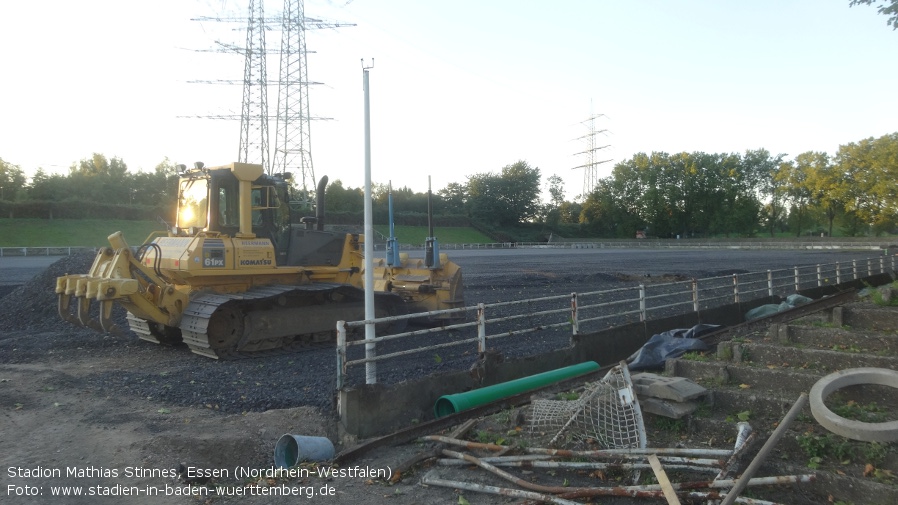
(556, 190)
(890, 8)
(12, 180)
(505, 199)
(794, 176)
(827, 189)
(521, 190)
(552, 210)
(730, 200)
(869, 169)
(47, 187)
(761, 169)
(569, 212)
(608, 211)
(340, 199)
(453, 198)
(484, 200)
(101, 179)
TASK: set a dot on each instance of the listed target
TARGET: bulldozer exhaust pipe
(319, 206)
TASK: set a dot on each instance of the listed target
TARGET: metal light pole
(371, 366)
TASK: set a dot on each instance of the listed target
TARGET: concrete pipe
(855, 430)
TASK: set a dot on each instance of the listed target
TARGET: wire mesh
(607, 413)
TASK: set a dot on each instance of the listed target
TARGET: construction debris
(765, 450)
(604, 465)
(667, 396)
(607, 412)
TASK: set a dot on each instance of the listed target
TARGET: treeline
(701, 194)
(694, 194)
(95, 187)
(98, 187)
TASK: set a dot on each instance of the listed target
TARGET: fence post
(838, 273)
(869, 267)
(735, 288)
(695, 306)
(575, 323)
(642, 302)
(819, 276)
(481, 328)
(882, 264)
(797, 281)
(341, 353)
(854, 268)
(769, 283)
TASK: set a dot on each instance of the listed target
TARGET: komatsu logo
(254, 262)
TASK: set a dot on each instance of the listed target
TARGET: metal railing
(43, 251)
(657, 244)
(559, 318)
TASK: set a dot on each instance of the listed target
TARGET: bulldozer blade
(106, 318)
(84, 314)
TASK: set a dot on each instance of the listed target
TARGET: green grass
(93, 232)
(71, 232)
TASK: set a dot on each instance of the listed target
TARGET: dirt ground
(59, 435)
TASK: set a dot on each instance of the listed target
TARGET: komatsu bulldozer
(236, 276)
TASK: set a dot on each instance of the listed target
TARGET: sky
(457, 88)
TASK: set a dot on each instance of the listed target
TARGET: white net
(607, 412)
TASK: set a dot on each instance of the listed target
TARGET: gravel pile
(32, 306)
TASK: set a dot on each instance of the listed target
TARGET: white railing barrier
(42, 251)
(641, 300)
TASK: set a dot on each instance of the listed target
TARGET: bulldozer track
(198, 315)
(213, 324)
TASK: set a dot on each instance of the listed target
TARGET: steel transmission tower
(293, 151)
(293, 141)
(254, 112)
(590, 168)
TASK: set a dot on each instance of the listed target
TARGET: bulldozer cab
(209, 202)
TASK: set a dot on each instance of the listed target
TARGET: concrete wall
(373, 410)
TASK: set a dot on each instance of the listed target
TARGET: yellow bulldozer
(237, 275)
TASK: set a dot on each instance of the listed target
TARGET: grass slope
(71, 232)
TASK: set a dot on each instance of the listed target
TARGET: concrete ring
(855, 430)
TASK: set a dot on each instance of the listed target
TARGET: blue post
(392, 243)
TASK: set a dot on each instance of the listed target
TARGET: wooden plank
(661, 475)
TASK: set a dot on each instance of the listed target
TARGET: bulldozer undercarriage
(264, 320)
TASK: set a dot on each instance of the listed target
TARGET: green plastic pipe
(450, 404)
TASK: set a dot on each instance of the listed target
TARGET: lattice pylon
(293, 141)
(254, 112)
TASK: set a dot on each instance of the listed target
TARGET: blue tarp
(670, 344)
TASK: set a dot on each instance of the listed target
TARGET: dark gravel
(32, 332)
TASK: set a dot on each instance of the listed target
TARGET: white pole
(371, 366)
